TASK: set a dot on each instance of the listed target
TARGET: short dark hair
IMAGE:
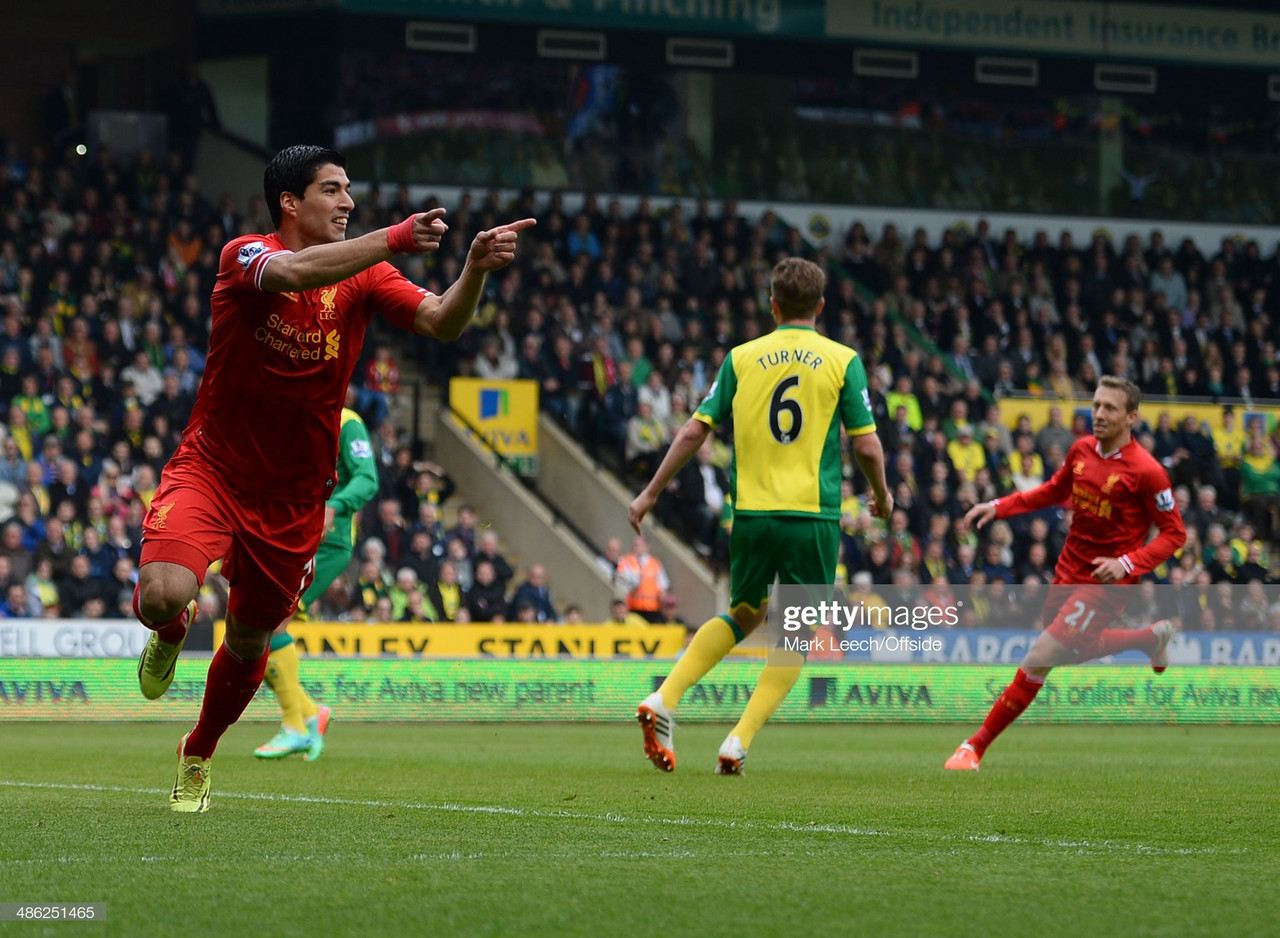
(292, 170)
(1132, 393)
(797, 286)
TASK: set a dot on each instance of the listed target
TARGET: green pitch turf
(567, 830)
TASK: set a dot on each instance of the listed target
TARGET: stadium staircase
(562, 518)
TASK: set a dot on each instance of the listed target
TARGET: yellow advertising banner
(503, 413)
(357, 640)
(1037, 408)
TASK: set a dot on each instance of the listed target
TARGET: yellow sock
(282, 677)
(309, 708)
(771, 689)
(710, 643)
(306, 704)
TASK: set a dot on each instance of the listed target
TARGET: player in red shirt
(1117, 491)
(250, 479)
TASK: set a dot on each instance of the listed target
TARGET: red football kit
(1115, 499)
(258, 459)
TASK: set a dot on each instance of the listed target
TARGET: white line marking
(451, 856)
(609, 817)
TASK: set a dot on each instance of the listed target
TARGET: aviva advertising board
(504, 414)
(434, 690)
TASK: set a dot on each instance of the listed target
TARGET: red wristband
(400, 237)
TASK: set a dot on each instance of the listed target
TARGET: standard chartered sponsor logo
(302, 344)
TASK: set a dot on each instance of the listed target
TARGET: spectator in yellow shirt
(1024, 447)
(967, 455)
(1232, 443)
(850, 508)
(902, 396)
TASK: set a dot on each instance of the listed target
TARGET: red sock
(170, 632)
(228, 689)
(1007, 708)
(1115, 641)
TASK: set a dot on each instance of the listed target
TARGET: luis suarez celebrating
(250, 480)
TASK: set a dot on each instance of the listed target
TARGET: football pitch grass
(566, 830)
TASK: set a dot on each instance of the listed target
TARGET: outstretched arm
(445, 316)
(324, 264)
(1052, 492)
(687, 442)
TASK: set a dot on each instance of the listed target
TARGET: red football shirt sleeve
(394, 296)
(1053, 492)
(245, 258)
(1161, 507)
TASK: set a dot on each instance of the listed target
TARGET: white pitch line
(1075, 846)
(264, 858)
(451, 856)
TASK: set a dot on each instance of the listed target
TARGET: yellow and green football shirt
(788, 392)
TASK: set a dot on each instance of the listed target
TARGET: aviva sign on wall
(502, 413)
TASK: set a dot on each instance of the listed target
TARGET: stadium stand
(1189, 154)
(105, 273)
(106, 268)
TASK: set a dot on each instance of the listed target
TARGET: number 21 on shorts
(1073, 619)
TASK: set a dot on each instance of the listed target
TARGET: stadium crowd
(623, 317)
(106, 269)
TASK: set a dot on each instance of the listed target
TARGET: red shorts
(268, 546)
(1083, 611)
